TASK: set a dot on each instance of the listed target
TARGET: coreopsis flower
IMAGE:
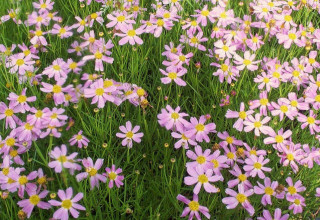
(8, 112)
(62, 32)
(278, 139)
(62, 160)
(268, 190)
(294, 189)
(35, 197)
(283, 108)
(225, 49)
(19, 63)
(288, 37)
(201, 177)
(21, 182)
(246, 62)
(255, 165)
(239, 197)
(193, 208)
(258, 125)
(67, 204)
(195, 40)
(21, 100)
(241, 178)
(173, 74)
(92, 172)
(99, 93)
(119, 19)
(183, 141)
(263, 103)
(129, 134)
(198, 129)
(80, 26)
(100, 55)
(79, 139)
(266, 81)
(297, 204)
(96, 16)
(218, 162)
(310, 121)
(75, 48)
(199, 158)
(276, 216)
(228, 140)
(58, 69)
(241, 116)
(172, 118)
(38, 19)
(203, 15)
(114, 177)
(43, 5)
(129, 34)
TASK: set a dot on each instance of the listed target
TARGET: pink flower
(21, 100)
(129, 34)
(92, 172)
(80, 139)
(240, 197)
(67, 204)
(289, 37)
(199, 129)
(228, 140)
(61, 160)
(310, 121)
(246, 62)
(241, 115)
(193, 207)
(19, 63)
(21, 182)
(256, 124)
(225, 49)
(218, 162)
(203, 15)
(268, 190)
(129, 134)
(119, 19)
(8, 112)
(294, 189)
(297, 204)
(173, 74)
(43, 5)
(172, 118)
(255, 165)
(200, 177)
(263, 103)
(99, 93)
(58, 70)
(200, 158)
(57, 90)
(184, 140)
(195, 40)
(241, 178)
(114, 177)
(62, 32)
(277, 215)
(34, 199)
(283, 108)
(279, 139)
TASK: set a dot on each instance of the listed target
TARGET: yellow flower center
(56, 89)
(297, 202)
(98, 55)
(62, 159)
(230, 155)
(91, 171)
(67, 204)
(292, 36)
(94, 15)
(279, 139)
(43, 6)
(121, 18)
(182, 58)
(22, 180)
(290, 157)
(62, 31)
(10, 142)
(265, 9)
(224, 67)
(38, 33)
(312, 60)
(266, 80)
(202, 179)
(5, 171)
(200, 127)
(42, 180)
(294, 103)
(39, 114)
(311, 120)
(129, 134)
(229, 140)
(223, 15)
(34, 199)
(73, 65)
(22, 99)
(20, 62)
(257, 165)
(160, 22)
(8, 112)
(242, 177)
(140, 92)
(317, 98)
(82, 22)
(292, 190)
(205, 13)
(112, 176)
(225, 48)
(79, 137)
(193, 23)
(257, 124)
(28, 126)
(172, 75)
(174, 115)
(284, 108)
(194, 40)
(242, 114)
(287, 18)
(241, 198)
(193, 206)
(246, 62)
(99, 91)
(253, 152)
(215, 163)
(268, 190)
(264, 101)
(131, 33)
(201, 159)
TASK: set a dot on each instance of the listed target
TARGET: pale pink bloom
(113, 176)
(19, 63)
(92, 172)
(203, 15)
(99, 93)
(173, 74)
(218, 162)
(194, 40)
(239, 197)
(119, 19)
(225, 49)
(266, 81)
(157, 26)
(310, 121)
(62, 32)
(21, 100)
(276, 216)
(285, 19)
(178, 59)
(202, 177)
(199, 129)
(283, 108)
(183, 141)
(82, 23)
(61, 160)
(38, 19)
(295, 103)
(246, 62)
(58, 90)
(241, 116)
(241, 178)
(255, 165)
(226, 71)
(129, 134)
(96, 16)
(291, 154)
(268, 190)
(43, 5)
(289, 37)
(67, 204)
(263, 103)
(279, 139)
(199, 158)
(129, 34)
(255, 42)
(79, 139)
(58, 69)
(34, 199)
(258, 125)
(297, 204)
(75, 48)
(21, 182)
(193, 207)
(228, 140)
(8, 112)
(100, 56)
(172, 118)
